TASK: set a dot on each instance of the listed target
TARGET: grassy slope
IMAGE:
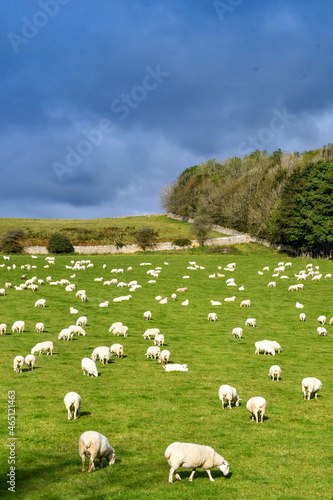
(99, 231)
(142, 410)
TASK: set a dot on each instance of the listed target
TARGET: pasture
(141, 409)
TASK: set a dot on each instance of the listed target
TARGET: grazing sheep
(82, 321)
(317, 277)
(251, 322)
(115, 325)
(89, 366)
(94, 445)
(302, 316)
(330, 321)
(312, 386)
(30, 361)
(176, 367)
(275, 371)
(40, 303)
(164, 357)
(84, 298)
(153, 351)
(322, 320)
(229, 394)
(257, 406)
(18, 364)
(65, 334)
(2, 291)
(3, 329)
(78, 330)
(72, 402)
(327, 276)
(18, 326)
(104, 355)
(118, 350)
(322, 332)
(8, 285)
(159, 339)
(96, 352)
(194, 456)
(120, 330)
(80, 292)
(237, 332)
(147, 315)
(46, 346)
(272, 284)
(150, 332)
(245, 303)
(158, 297)
(174, 296)
(39, 327)
(270, 346)
(212, 317)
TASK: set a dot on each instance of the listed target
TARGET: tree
(60, 243)
(12, 241)
(146, 237)
(201, 227)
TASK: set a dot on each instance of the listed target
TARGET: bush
(200, 228)
(182, 242)
(146, 237)
(12, 241)
(120, 244)
(59, 243)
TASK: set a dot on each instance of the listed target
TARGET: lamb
(256, 406)
(194, 456)
(96, 352)
(150, 332)
(3, 329)
(8, 285)
(153, 351)
(322, 320)
(39, 327)
(164, 357)
(275, 371)
(176, 367)
(322, 332)
(212, 317)
(82, 321)
(147, 315)
(43, 347)
(251, 322)
(18, 326)
(237, 332)
(312, 386)
(30, 361)
(302, 316)
(94, 445)
(159, 339)
(104, 356)
(40, 303)
(65, 334)
(89, 366)
(18, 364)
(118, 350)
(120, 330)
(229, 394)
(72, 402)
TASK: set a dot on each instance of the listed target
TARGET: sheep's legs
(192, 474)
(91, 464)
(83, 465)
(209, 475)
(69, 413)
(171, 473)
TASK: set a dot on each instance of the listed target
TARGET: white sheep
(270, 346)
(176, 367)
(237, 332)
(257, 406)
(104, 355)
(251, 322)
(3, 329)
(65, 334)
(39, 327)
(216, 303)
(115, 325)
(312, 386)
(40, 303)
(275, 371)
(164, 357)
(150, 332)
(147, 315)
(89, 366)
(120, 330)
(330, 321)
(322, 332)
(118, 350)
(78, 330)
(317, 277)
(80, 292)
(30, 361)
(96, 352)
(2, 291)
(94, 445)
(84, 298)
(194, 456)
(182, 289)
(272, 284)
(163, 301)
(18, 364)
(46, 346)
(18, 326)
(153, 351)
(322, 320)
(174, 296)
(212, 317)
(73, 402)
(159, 339)
(230, 299)
(72, 310)
(228, 394)
(82, 321)
(245, 303)
(186, 302)
(302, 316)
(299, 305)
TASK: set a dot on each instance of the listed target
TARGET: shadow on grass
(202, 474)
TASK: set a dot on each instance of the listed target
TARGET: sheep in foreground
(312, 386)
(147, 315)
(3, 329)
(30, 361)
(18, 326)
(72, 402)
(322, 332)
(237, 332)
(194, 456)
(18, 364)
(153, 351)
(94, 445)
(212, 317)
(176, 367)
(89, 367)
(257, 406)
(229, 394)
(164, 357)
(118, 350)
(275, 371)
(41, 347)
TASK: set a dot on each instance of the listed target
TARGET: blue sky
(104, 102)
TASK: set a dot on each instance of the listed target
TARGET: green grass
(142, 410)
(99, 231)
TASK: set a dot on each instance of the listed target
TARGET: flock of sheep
(188, 455)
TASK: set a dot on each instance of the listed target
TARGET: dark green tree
(146, 237)
(12, 241)
(60, 243)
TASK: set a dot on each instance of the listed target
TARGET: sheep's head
(95, 373)
(224, 468)
(237, 402)
(112, 457)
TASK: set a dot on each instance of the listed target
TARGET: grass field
(141, 409)
(99, 231)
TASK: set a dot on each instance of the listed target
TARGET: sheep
(120, 330)
(327, 276)
(164, 301)
(65, 334)
(40, 303)
(104, 304)
(159, 339)
(30, 361)
(174, 296)
(77, 329)
(147, 315)
(275, 371)
(186, 302)
(294, 288)
(72, 310)
(118, 350)
(229, 394)
(317, 277)
(18, 364)
(104, 356)
(302, 316)
(72, 402)
(194, 456)
(256, 406)
(245, 303)
(164, 357)
(251, 322)
(84, 298)
(39, 327)
(322, 320)
(330, 321)
(82, 321)
(299, 305)
(322, 332)
(175, 367)
(153, 351)
(182, 289)
(89, 366)
(43, 347)
(18, 326)
(230, 299)
(312, 386)
(2, 291)
(237, 332)
(270, 347)
(3, 329)
(150, 332)
(215, 303)
(275, 344)
(8, 285)
(94, 445)
(70, 288)
(259, 347)
(212, 317)
(96, 352)
(80, 292)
